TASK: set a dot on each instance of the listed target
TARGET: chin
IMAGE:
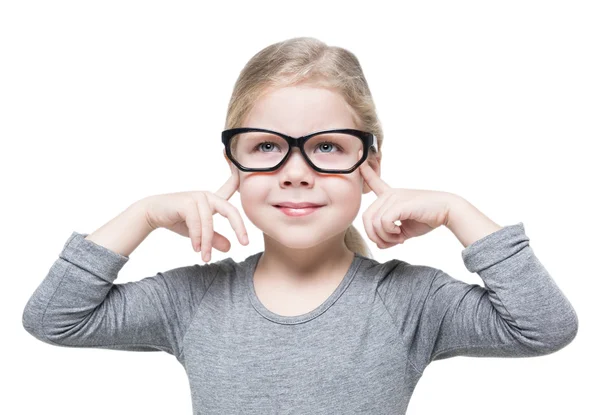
(301, 237)
(295, 240)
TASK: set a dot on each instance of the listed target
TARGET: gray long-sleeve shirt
(361, 351)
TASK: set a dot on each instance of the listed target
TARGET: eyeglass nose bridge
(299, 143)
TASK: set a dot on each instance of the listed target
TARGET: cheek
(349, 188)
(346, 196)
(251, 191)
(254, 197)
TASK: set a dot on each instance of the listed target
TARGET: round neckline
(278, 318)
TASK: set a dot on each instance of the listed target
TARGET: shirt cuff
(495, 247)
(92, 257)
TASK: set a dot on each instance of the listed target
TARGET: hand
(418, 211)
(190, 214)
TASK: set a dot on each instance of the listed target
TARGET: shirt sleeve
(79, 305)
(519, 312)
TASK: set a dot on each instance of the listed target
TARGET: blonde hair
(308, 60)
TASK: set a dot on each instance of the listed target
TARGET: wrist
(467, 222)
(141, 209)
(454, 204)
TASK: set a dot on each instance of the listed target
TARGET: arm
(519, 312)
(123, 234)
(78, 305)
(467, 223)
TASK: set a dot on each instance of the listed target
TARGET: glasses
(330, 151)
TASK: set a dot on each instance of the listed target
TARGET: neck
(298, 265)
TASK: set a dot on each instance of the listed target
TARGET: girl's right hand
(190, 214)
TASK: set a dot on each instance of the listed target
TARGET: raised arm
(520, 312)
(79, 305)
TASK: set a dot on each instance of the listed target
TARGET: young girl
(312, 324)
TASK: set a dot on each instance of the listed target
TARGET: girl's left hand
(418, 211)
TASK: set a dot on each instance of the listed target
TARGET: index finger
(373, 180)
(231, 185)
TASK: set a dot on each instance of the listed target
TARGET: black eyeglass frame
(369, 142)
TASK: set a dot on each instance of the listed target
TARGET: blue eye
(258, 146)
(264, 142)
(327, 142)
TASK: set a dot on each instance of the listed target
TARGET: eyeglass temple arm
(374, 146)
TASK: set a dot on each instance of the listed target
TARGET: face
(298, 111)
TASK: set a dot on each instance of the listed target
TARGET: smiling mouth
(298, 208)
(297, 211)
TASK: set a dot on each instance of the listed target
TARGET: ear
(375, 164)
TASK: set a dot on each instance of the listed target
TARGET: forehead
(299, 110)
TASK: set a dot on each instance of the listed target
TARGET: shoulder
(190, 277)
(396, 276)
(225, 265)
(223, 269)
(231, 266)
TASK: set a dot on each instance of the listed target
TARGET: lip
(298, 212)
(298, 205)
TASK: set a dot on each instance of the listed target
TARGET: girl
(312, 324)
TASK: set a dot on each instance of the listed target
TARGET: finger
(373, 180)
(193, 223)
(389, 215)
(383, 222)
(192, 226)
(207, 225)
(231, 185)
(369, 224)
(226, 209)
(220, 242)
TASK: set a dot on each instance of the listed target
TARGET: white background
(104, 103)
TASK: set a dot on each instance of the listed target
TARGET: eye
(264, 142)
(330, 144)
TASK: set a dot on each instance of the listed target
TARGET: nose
(296, 158)
(296, 168)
